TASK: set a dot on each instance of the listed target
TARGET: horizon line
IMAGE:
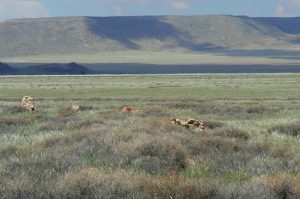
(167, 15)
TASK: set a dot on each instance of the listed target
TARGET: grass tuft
(232, 132)
(292, 129)
(66, 111)
(161, 156)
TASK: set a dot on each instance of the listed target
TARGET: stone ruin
(28, 103)
(189, 123)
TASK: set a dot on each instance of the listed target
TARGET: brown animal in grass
(191, 161)
(75, 108)
(189, 123)
(202, 125)
(128, 109)
(175, 121)
(179, 122)
(28, 103)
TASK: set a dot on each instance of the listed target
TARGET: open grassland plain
(250, 149)
(181, 57)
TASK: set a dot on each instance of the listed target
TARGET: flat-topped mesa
(28, 103)
(65, 35)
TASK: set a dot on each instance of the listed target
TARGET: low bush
(66, 111)
(154, 110)
(259, 110)
(232, 132)
(83, 123)
(292, 129)
(162, 156)
(88, 108)
(15, 109)
(174, 186)
(284, 185)
(211, 124)
(234, 111)
(94, 183)
(51, 125)
(14, 120)
(11, 151)
(8, 124)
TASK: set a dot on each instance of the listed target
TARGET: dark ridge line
(139, 69)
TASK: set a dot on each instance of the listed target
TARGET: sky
(11, 9)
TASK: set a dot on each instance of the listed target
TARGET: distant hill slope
(6, 69)
(57, 69)
(84, 35)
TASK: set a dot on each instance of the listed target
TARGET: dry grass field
(176, 57)
(250, 149)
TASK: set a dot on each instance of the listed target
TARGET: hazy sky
(42, 8)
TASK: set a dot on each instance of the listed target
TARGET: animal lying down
(189, 123)
(128, 109)
(28, 103)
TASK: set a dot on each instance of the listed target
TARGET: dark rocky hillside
(57, 69)
(6, 69)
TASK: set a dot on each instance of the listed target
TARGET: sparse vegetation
(232, 132)
(100, 152)
(292, 129)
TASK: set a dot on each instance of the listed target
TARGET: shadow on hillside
(126, 29)
(286, 25)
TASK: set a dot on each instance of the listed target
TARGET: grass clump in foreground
(292, 129)
(100, 152)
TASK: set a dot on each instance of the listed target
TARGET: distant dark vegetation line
(76, 69)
